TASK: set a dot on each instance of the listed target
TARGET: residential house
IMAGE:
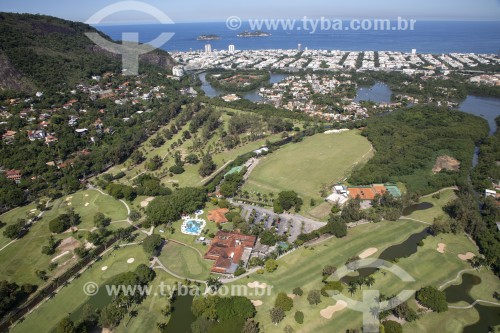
(50, 140)
(14, 175)
(36, 135)
(9, 136)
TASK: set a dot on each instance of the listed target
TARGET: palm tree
(369, 281)
(353, 287)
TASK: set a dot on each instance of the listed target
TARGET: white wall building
(178, 71)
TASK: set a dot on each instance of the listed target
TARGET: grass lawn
(211, 227)
(428, 267)
(22, 258)
(185, 261)
(428, 215)
(303, 267)
(305, 166)
(71, 297)
(190, 177)
(149, 311)
(11, 217)
(87, 204)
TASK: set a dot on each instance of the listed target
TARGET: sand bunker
(130, 260)
(86, 204)
(103, 268)
(467, 256)
(292, 296)
(368, 252)
(145, 202)
(86, 195)
(256, 284)
(329, 311)
(441, 247)
(69, 198)
(257, 303)
(69, 203)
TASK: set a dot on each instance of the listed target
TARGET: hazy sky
(219, 10)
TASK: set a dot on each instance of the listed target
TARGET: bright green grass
(305, 166)
(21, 259)
(97, 202)
(71, 297)
(428, 215)
(302, 268)
(428, 267)
(185, 261)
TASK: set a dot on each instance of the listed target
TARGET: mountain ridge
(39, 52)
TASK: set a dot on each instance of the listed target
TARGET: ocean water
(428, 37)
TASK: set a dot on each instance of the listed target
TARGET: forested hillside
(408, 143)
(51, 53)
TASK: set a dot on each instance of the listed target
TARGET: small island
(208, 37)
(257, 33)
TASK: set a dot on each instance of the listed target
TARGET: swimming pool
(193, 226)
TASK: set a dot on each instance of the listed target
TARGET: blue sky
(219, 10)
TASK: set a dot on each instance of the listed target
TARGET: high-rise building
(208, 48)
(232, 48)
(299, 47)
(413, 51)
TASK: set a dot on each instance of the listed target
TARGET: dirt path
(473, 304)
(215, 172)
(409, 218)
(441, 190)
(459, 274)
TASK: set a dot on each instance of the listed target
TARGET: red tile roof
(218, 215)
(227, 249)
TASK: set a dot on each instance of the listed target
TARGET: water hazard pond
(413, 208)
(488, 315)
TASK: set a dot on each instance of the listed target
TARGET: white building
(413, 51)
(208, 48)
(232, 48)
(178, 71)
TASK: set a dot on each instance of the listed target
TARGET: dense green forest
(237, 81)
(488, 168)
(52, 54)
(408, 142)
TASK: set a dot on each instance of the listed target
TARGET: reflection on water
(485, 107)
(182, 317)
(378, 93)
(413, 208)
